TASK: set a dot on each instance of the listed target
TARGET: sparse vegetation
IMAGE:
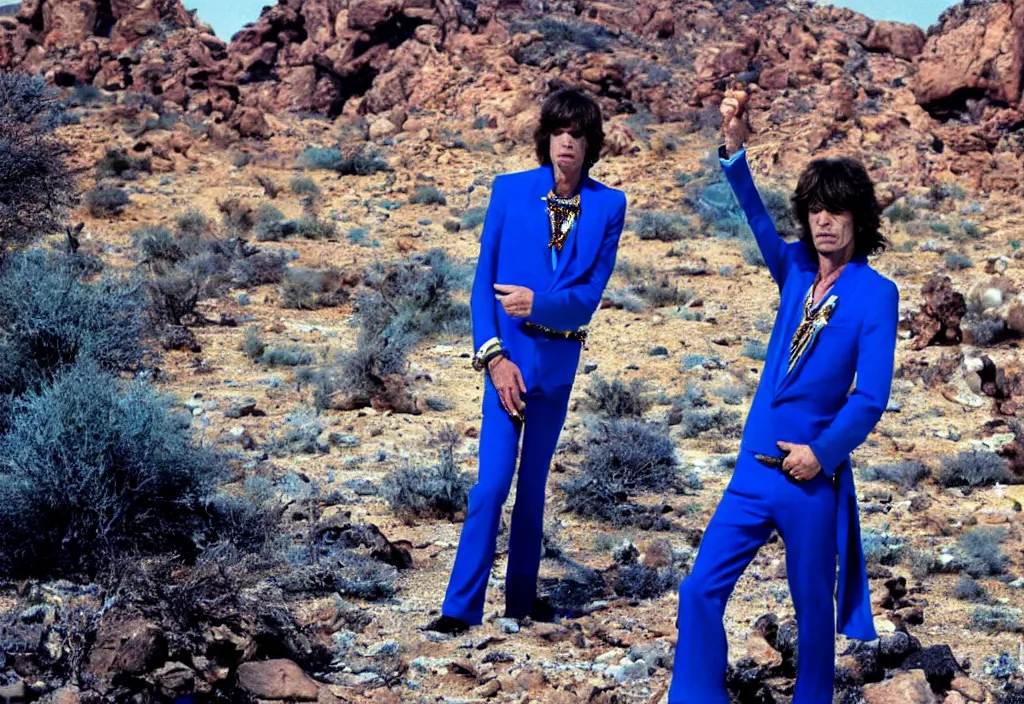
(973, 469)
(663, 227)
(439, 491)
(906, 475)
(980, 554)
(428, 195)
(617, 399)
(106, 201)
(117, 163)
(343, 160)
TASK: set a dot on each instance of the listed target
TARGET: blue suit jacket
(514, 250)
(836, 393)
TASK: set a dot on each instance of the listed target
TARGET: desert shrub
(660, 226)
(660, 292)
(313, 228)
(639, 581)
(573, 594)
(473, 217)
(49, 318)
(958, 262)
(731, 395)
(415, 297)
(249, 519)
(350, 574)
(559, 40)
(973, 469)
(304, 186)
(117, 163)
(438, 491)
(986, 332)
(301, 435)
(37, 189)
(309, 289)
(898, 212)
(970, 230)
(105, 201)
(617, 399)
(92, 472)
(176, 291)
(258, 269)
(697, 422)
(906, 475)
(253, 346)
(237, 216)
(344, 161)
(882, 548)
(269, 225)
(428, 195)
(756, 350)
(158, 245)
(623, 458)
(997, 619)
(27, 100)
(752, 255)
(291, 356)
(968, 589)
(979, 554)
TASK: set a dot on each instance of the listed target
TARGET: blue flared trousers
(499, 449)
(758, 500)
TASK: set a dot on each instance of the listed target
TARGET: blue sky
(228, 16)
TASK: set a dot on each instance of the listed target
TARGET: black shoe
(448, 624)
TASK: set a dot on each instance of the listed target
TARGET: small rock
(627, 671)
(589, 367)
(488, 690)
(507, 625)
(658, 351)
(277, 679)
(971, 690)
(905, 688)
(938, 664)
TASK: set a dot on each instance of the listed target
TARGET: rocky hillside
(921, 109)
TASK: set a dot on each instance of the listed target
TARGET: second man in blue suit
(547, 250)
(825, 385)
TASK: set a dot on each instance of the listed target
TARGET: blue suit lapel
(844, 289)
(584, 240)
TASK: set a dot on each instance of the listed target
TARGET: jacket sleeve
(573, 307)
(776, 252)
(876, 348)
(482, 302)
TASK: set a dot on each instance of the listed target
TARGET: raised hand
(734, 123)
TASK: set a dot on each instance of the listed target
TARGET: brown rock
(762, 653)
(979, 48)
(174, 680)
(938, 321)
(971, 690)
(130, 647)
(954, 698)
(904, 41)
(905, 688)
(277, 679)
(64, 695)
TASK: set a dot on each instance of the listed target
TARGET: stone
(978, 49)
(131, 647)
(971, 690)
(938, 664)
(905, 688)
(938, 321)
(277, 679)
(904, 41)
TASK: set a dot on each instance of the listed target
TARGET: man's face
(568, 149)
(832, 232)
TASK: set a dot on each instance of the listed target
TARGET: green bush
(104, 201)
(346, 162)
(663, 227)
(617, 399)
(304, 186)
(92, 473)
(117, 163)
(428, 195)
(269, 223)
(439, 491)
(49, 318)
(973, 469)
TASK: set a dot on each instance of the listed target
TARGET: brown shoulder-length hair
(840, 185)
(570, 108)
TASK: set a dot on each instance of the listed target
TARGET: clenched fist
(734, 123)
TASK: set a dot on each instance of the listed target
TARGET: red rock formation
(977, 52)
(904, 41)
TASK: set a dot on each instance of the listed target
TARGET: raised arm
(483, 307)
(573, 307)
(876, 347)
(776, 252)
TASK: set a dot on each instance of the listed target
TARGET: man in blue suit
(825, 385)
(548, 247)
